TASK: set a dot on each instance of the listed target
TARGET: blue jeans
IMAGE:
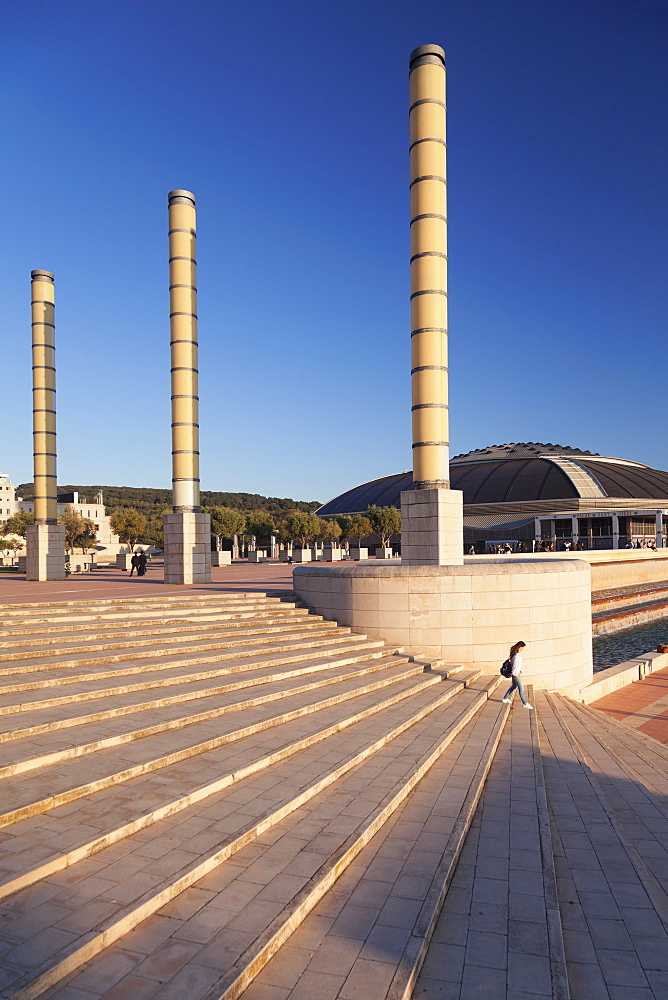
(517, 683)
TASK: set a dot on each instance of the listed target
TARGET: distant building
(7, 497)
(540, 495)
(95, 512)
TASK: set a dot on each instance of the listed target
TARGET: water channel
(609, 650)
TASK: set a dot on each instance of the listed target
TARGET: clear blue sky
(289, 122)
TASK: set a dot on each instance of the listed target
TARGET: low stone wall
(612, 568)
(614, 678)
(468, 614)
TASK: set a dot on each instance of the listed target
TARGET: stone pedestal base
(187, 548)
(223, 557)
(302, 555)
(432, 527)
(45, 552)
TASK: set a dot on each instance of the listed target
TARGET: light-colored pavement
(103, 583)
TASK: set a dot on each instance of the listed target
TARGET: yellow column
(429, 303)
(183, 325)
(44, 396)
(45, 539)
(431, 513)
(187, 529)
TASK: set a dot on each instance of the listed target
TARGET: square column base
(45, 552)
(432, 527)
(187, 547)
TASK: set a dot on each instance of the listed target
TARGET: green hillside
(148, 500)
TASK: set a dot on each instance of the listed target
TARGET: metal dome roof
(515, 473)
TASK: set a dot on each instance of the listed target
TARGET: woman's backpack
(507, 668)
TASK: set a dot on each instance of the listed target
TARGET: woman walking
(515, 657)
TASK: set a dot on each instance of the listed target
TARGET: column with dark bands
(183, 327)
(44, 396)
(429, 302)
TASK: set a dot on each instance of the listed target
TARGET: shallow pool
(609, 650)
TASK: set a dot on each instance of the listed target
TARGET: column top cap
(180, 197)
(426, 54)
(42, 276)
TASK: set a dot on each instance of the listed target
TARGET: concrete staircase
(225, 796)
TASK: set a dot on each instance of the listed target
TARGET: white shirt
(516, 662)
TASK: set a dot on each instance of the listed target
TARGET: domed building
(535, 495)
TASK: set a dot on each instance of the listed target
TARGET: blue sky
(289, 122)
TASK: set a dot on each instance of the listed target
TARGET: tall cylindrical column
(45, 539)
(44, 396)
(183, 326)
(187, 543)
(429, 309)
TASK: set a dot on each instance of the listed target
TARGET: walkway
(643, 705)
(102, 583)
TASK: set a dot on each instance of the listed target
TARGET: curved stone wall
(468, 614)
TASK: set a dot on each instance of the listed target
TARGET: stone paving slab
(493, 937)
(610, 923)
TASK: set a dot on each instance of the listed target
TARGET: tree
(225, 523)
(17, 523)
(155, 529)
(330, 531)
(79, 531)
(10, 545)
(359, 527)
(385, 521)
(301, 526)
(260, 523)
(129, 525)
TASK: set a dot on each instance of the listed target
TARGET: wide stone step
(211, 639)
(648, 756)
(130, 603)
(105, 814)
(146, 613)
(53, 635)
(121, 761)
(642, 743)
(370, 930)
(635, 799)
(89, 687)
(361, 773)
(38, 720)
(26, 752)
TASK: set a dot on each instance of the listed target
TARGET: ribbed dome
(513, 473)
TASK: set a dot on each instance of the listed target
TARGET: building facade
(541, 496)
